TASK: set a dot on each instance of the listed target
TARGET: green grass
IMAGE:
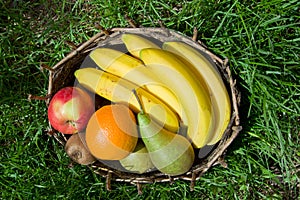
(262, 42)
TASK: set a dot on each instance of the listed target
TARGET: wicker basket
(62, 74)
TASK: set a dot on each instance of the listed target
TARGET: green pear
(138, 161)
(170, 153)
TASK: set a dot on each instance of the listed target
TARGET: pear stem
(139, 101)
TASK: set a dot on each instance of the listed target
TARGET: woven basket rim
(215, 157)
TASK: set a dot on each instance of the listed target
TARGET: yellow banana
(133, 69)
(119, 90)
(135, 43)
(192, 91)
(218, 92)
(114, 61)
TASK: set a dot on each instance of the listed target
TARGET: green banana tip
(125, 37)
(76, 73)
(168, 44)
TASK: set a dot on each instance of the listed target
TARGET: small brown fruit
(77, 151)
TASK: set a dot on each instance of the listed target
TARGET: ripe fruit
(170, 153)
(218, 92)
(190, 88)
(70, 109)
(117, 89)
(111, 133)
(76, 150)
(135, 43)
(139, 160)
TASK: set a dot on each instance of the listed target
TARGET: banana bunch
(177, 85)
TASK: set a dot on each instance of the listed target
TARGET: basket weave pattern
(62, 74)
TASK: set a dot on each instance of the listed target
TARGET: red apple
(70, 110)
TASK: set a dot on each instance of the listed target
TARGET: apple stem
(139, 101)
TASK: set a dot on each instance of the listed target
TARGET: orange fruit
(111, 132)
